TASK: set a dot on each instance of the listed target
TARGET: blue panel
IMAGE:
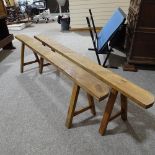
(110, 28)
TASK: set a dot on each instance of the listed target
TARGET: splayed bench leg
(108, 111)
(72, 106)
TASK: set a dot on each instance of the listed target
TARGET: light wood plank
(85, 80)
(137, 94)
(41, 65)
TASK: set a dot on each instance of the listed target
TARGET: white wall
(102, 10)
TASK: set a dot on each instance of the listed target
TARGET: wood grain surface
(137, 94)
(81, 77)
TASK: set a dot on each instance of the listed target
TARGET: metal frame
(93, 34)
(106, 49)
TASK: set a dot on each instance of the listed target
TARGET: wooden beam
(81, 110)
(47, 64)
(124, 109)
(137, 94)
(71, 110)
(30, 62)
(115, 116)
(108, 111)
(22, 58)
(91, 104)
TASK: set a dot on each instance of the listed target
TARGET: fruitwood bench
(117, 83)
(81, 78)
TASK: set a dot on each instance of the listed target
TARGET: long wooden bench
(81, 78)
(117, 83)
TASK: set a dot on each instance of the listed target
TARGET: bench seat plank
(33, 44)
(52, 44)
(85, 80)
(137, 94)
(134, 92)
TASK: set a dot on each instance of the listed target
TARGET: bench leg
(22, 63)
(22, 58)
(41, 65)
(123, 107)
(73, 101)
(37, 58)
(108, 111)
(91, 104)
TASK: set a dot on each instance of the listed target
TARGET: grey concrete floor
(33, 107)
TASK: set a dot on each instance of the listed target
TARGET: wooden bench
(117, 83)
(81, 78)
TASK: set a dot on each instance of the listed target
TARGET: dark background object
(140, 32)
(5, 37)
(106, 40)
(3, 12)
(54, 8)
(118, 40)
(65, 22)
(14, 14)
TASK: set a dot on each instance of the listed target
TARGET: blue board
(110, 28)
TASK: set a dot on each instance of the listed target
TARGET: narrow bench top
(53, 44)
(137, 94)
(81, 77)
